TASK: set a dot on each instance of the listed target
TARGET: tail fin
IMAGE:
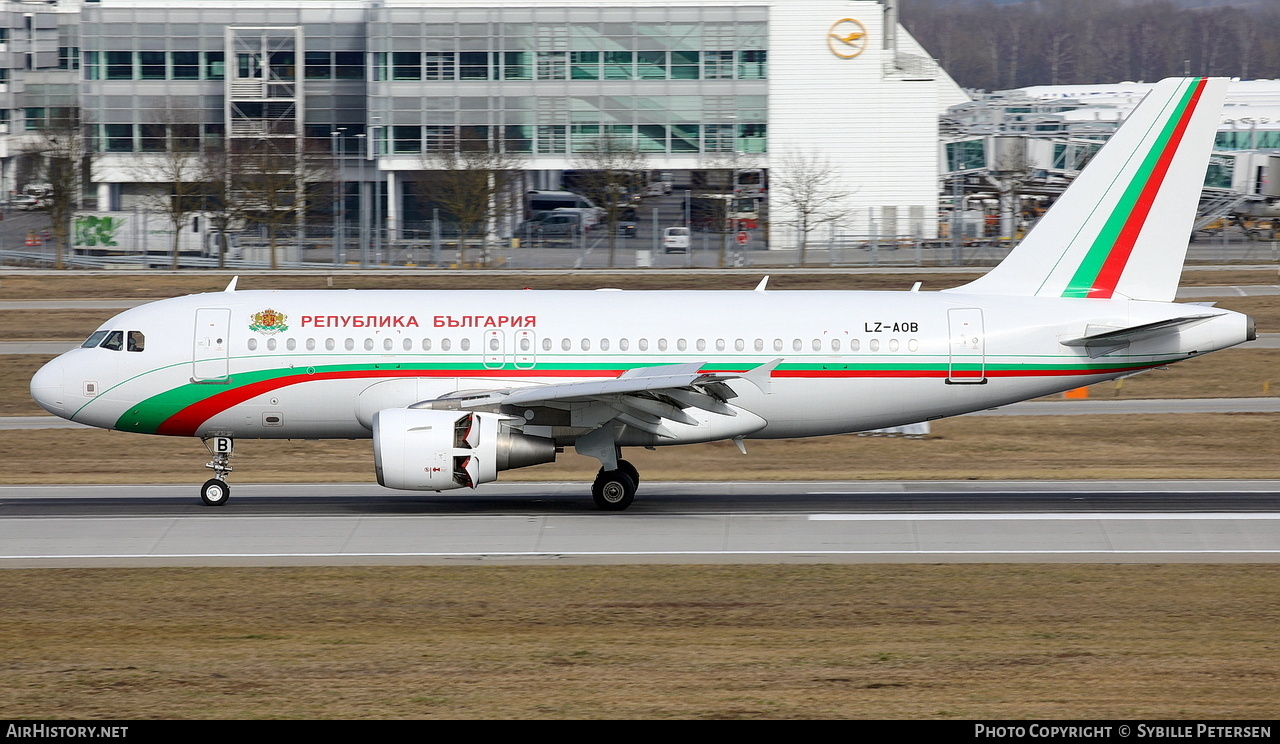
(1121, 228)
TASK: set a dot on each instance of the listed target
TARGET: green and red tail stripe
(1102, 266)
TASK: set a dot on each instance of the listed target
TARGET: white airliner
(455, 386)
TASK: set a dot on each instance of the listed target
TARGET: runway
(734, 522)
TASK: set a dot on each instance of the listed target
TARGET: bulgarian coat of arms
(268, 322)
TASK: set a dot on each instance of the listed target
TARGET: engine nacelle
(427, 450)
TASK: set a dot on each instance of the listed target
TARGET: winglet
(232, 286)
(762, 376)
(760, 286)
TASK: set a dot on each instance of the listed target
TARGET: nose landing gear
(215, 491)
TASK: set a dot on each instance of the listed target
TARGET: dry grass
(710, 642)
(1237, 445)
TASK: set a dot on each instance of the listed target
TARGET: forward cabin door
(968, 360)
(212, 342)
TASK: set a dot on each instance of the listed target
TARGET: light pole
(361, 143)
(337, 148)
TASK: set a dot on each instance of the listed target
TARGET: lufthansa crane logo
(847, 38)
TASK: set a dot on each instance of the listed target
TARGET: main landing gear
(614, 490)
(215, 491)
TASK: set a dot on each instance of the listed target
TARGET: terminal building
(1008, 154)
(366, 92)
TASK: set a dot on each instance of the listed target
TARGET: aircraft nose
(46, 387)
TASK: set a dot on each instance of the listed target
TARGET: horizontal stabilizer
(1111, 336)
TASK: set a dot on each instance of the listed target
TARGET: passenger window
(349, 344)
(644, 344)
(291, 344)
(271, 344)
(311, 344)
(426, 344)
(624, 344)
(329, 344)
(817, 344)
(566, 344)
(94, 339)
(796, 344)
(604, 344)
(835, 344)
(445, 344)
(759, 344)
(586, 344)
(386, 344)
(546, 344)
(465, 344)
(408, 344)
(137, 342)
(777, 344)
(253, 344)
(368, 344)
(875, 344)
(115, 341)
(662, 344)
(681, 344)
(701, 344)
(854, 344)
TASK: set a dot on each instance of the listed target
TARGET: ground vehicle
(558, 223)
(675, 240)
(27, 203)
(545, 201)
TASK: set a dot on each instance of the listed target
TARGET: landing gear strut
(215, 491)
(614, 490)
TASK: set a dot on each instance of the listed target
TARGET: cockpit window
(114, 341)
(94, 339)
(137, 342)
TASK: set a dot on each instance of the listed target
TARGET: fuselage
(317, 364)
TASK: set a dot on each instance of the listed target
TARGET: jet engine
(428, 450)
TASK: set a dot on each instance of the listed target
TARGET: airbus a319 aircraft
(456, 386)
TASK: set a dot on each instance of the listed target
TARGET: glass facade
(678, 80)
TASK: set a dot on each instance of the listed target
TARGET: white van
(675, 240)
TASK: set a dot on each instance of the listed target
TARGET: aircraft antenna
(232, 286)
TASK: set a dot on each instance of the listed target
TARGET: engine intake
(429, 450)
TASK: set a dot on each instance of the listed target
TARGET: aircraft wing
(641, 397)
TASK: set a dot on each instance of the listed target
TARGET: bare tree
(613, 168)
(177, 166)
(476, 186)
(808, 191)
(270, 184)
(61, 157)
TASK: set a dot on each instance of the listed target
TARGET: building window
(348, 65)
(319, 65)
(119, 65)
(406, 66)
(186, 65)
(440, 65)
(584, 65)
(408, 139)
(553, 66)
(752, 64)
(684, 65)
(119, 137)
(68, 57)
(651, 65)
(717, 65)
(215, 65)
(517, 65)
(473, 65)
(91, 66)
(151, 65)
(552, 139)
